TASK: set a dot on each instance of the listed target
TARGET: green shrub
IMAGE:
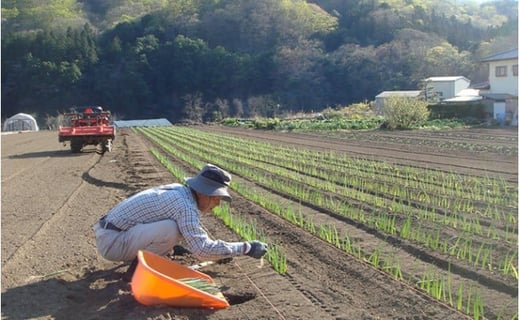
(230, 122)
(404, 112)
(267, 124)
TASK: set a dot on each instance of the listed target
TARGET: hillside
(202, 61)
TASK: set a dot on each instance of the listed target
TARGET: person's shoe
(180, 251)
(127, 276)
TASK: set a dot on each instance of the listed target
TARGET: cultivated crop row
(470, 219)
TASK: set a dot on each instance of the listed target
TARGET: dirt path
(50, 269)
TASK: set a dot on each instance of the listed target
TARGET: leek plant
(482, 208)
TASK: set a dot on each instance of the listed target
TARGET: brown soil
(51, 198)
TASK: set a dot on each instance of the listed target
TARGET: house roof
(447, 78)
(498, 96)
(468, 93)
(508, 55)
(463, 99)
(408, 93)
(465, 95)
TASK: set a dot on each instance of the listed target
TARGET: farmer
(158, 218)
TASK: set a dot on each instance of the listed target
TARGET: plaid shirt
(176, 202)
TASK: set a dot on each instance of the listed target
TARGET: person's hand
(257, 250)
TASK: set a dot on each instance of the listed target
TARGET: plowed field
(52, 198)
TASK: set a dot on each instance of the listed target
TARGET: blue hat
(211, 181)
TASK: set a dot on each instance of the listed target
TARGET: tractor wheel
(76, 145)
(100, 149)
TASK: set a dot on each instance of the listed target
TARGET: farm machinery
(92, 126)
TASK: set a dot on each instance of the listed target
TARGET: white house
(438, 89)
(503, 85)
(442, 88)
(503, 72)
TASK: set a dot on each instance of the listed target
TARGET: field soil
(51, 198)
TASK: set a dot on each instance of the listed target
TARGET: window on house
(515, 70)
(501, 71)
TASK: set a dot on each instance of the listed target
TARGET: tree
(259, 26)
(142, 57)
(193, 107)
(404, 112)
(299, 79)
(24, 15)
(353, 74)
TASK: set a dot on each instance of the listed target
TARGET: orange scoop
(155, 282)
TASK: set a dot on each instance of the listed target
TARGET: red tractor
(92, 126)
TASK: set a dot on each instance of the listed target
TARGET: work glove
(257, 249)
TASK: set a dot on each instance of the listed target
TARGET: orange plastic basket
(155, 282)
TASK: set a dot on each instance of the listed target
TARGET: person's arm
(204, 248)
(198, 241)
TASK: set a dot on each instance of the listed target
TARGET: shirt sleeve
(198, 241)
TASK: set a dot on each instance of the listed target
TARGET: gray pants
(157, 237)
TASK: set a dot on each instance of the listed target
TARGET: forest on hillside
(202, 60)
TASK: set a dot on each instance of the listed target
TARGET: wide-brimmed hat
(211, 181)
